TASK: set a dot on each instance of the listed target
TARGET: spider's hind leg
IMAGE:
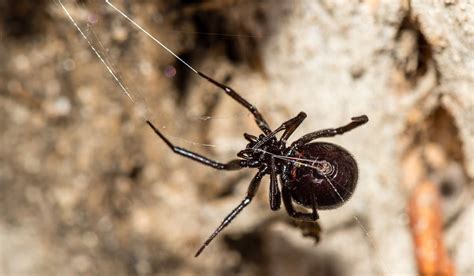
(331, 132)
(287, 201)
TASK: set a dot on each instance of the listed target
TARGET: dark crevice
(446, 188)
(23, 18)
(435, 139)
(230, 185)
(183, 75)
(236, 29)
(233, 29)
(249, 245)
(443, 131)
(413, 53)
(135, 171)
(449, 174)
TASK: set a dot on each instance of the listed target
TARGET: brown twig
(424, 210)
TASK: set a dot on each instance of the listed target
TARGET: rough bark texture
(87, 188)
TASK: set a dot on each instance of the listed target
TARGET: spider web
(139, 101)
(86, 17)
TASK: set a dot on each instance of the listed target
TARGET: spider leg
(287, 201)
(291, 125)
(274, 191)
(262, 124)
(314, 206)
(248, 198)
(235, 164)
(330, 132)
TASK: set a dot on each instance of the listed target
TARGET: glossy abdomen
(321, 172)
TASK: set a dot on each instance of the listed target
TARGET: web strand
(149, 35)
(108, 65)
(97, 53)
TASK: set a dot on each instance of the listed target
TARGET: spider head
(260, 149)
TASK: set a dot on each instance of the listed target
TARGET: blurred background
(86, 188)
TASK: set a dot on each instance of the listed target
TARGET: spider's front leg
(262, 124)
(235, 164)
(291, 125)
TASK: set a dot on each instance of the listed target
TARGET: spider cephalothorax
(315, 175)
(260, 150)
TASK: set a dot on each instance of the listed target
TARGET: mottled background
(87, 189)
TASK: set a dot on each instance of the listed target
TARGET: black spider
(315, 175)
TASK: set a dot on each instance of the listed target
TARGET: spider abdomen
(322, 172)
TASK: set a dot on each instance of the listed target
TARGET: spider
(315, 175)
